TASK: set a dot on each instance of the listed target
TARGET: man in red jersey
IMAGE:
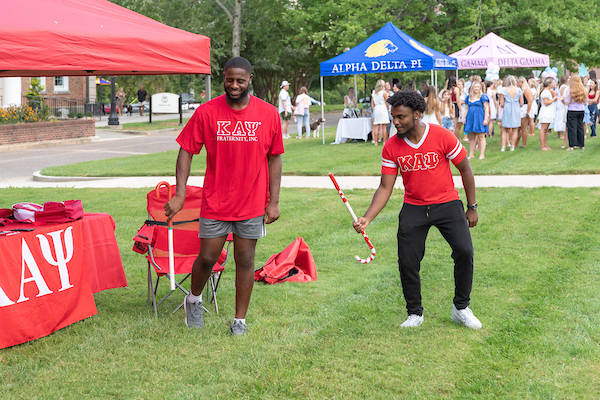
(242, 137)
(422, 153)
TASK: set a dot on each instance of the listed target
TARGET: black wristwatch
(472, 207)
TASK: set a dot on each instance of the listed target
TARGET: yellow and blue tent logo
(380, 48)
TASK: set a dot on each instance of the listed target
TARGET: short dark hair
(410, 99)
(238, 62)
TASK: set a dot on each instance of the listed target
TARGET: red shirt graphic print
(425, 166)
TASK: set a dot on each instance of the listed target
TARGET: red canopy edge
(93, 37)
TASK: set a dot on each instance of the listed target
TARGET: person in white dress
(547, 112)
(560, 117)
(491, 93)
(380, 112)
(350, 104)
(432, 113)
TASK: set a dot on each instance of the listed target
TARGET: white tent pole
(322, 110)
(431, 80)
(456, 74)
(355, 89)
(207, 83)
(436, 78)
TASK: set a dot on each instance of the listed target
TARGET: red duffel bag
(60, 211)
(294, 264)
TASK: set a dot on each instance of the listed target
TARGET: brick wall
(39, 131)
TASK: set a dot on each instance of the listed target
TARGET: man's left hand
(271, 213)
(472, 218)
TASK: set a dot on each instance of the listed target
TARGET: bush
(79, 115)
(89, 114)
(71, 114)
(18, 114)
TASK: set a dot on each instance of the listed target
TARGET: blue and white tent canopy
(388, 50)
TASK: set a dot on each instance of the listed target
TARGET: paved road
(21, 164)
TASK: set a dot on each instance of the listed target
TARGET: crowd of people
(475, 109)
(567, 106)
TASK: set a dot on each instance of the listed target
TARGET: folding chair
(152, 241)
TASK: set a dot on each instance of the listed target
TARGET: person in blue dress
(511, 101)
(478, 116)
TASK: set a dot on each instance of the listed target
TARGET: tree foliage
(287, 39)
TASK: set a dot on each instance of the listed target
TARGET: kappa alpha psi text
(242, 131)
(29, 263)
(418, 161)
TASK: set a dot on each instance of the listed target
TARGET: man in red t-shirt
(242, 137)
(422, 153)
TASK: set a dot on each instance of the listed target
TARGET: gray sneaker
(193, 314)
(238, 328)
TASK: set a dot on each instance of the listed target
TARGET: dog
(313, 127)
(128, 110)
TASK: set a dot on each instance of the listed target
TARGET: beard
(239, 99)
(401, 135)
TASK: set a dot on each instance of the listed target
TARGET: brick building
(69, 87)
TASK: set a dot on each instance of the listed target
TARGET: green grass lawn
(535, 291)
(311, 157)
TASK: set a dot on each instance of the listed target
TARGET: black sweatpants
(575, 128)
(414, 224)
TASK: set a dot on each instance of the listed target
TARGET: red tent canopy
(93, 37)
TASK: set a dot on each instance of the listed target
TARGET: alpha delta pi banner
(43, 285)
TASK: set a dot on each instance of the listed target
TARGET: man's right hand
(361, 224)
(173, 206)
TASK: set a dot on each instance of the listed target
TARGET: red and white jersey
(425, 166)
(238, 143)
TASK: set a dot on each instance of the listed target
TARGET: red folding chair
(152, 241)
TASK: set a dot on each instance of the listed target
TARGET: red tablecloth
(48, 276)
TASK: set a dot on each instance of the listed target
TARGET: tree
(235, 18)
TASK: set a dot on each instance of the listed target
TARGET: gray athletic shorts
(253, 228)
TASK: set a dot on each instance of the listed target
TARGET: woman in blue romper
(478, 116)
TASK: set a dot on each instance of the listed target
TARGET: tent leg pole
(322, 110)
(207, 83)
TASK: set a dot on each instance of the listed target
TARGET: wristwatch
(472, 207)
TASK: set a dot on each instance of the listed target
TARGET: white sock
(239, 319)
(195, 299)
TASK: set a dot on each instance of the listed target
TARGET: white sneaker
(512, 148)
(503, 148)
(412, 321)
(465, 317)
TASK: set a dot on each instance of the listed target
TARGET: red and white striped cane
(351, 211)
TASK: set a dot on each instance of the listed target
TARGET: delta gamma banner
(388, 50)
(43, 286)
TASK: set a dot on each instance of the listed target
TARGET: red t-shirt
(236, 185)
(425, 166)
